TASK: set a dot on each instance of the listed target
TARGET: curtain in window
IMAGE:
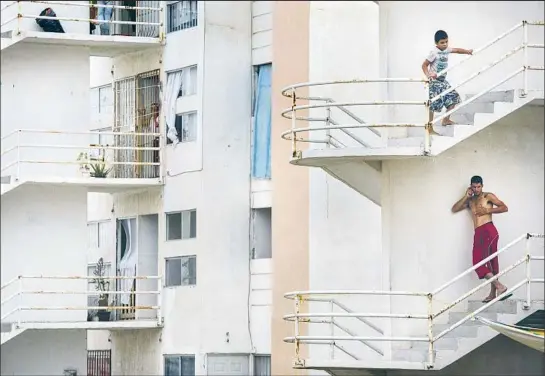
(174, 82)
(127, 265)
(261, 156)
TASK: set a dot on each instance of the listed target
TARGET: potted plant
(102, 285)
(99, 170)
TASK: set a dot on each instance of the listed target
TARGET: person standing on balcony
(485, 241)
(435, 63)
(104, 14)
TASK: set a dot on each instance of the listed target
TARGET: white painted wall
(34, 9)
(196, 320)
(100, 72)
(427, 245)
(44, 79)
(44, 352)
(262, 25)
(44, 232)
(213, 176)
(470, 25)
(261, 301)
(345, 227)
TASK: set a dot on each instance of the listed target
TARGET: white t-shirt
(438, 60)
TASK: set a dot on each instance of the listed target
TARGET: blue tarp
(261, 156)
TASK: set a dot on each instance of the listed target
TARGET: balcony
(66, 302)
(107, 30)
(101, 161)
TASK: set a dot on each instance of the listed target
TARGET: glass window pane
(188, 365)
(186, 222)
(192, 81)
(173, 272)
(174, 226)
(172, 366)
(189, 271)
(193, 224)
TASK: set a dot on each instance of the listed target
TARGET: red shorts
(485, 243)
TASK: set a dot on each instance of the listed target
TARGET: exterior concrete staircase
(469, 336)
(9, 331)
(360, 168)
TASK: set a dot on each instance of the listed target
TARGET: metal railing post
(20, 283)
(527, 304)
(524, 91)
(293, 116)
(19, 17)
(159, 300)
(328, 124)
(428, 122)
(332, 332)
(297, 311)
(18, 171)
(431, 355)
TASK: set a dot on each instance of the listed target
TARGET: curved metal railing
(430, 315)
(299, 134)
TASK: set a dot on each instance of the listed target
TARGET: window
(182, 225)
(90, 272)
(261, 233)
(179, 365)
(98, 234)
(188, 84)
(102, 100)
(181, 15)
(262, 365)
(181, 271)
(186, 127)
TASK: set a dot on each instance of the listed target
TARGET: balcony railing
(145, 19)
(50, 301)
(45, 154)
(430, 311)
(340, 134)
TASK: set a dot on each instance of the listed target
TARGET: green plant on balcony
(102, 285)
(99, 170)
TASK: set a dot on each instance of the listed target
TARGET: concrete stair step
(509, 306)
(454, 317)
(494, 96)
(467, 331)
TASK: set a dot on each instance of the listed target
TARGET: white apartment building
(179, 229)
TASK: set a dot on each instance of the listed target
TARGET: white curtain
(127, 265)
(174, 82)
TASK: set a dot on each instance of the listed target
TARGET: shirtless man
(485, 241)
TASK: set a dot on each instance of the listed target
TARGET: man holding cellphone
(485, 241)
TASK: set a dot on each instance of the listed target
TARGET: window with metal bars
(181, 15)
(99, 362)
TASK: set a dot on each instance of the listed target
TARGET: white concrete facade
(212, 176)
(412, 242)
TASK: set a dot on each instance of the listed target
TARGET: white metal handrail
(321, 295)
(155, 12)
(293, 93)
(13, 149)
(21, 292)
